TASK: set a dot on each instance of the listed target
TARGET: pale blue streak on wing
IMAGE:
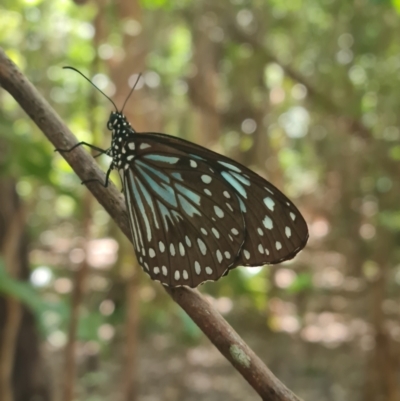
(242, 205)
(139, 202)
(135, 219)
(237, 185)
(189, 209)
(165, 213)
(242, 179)
(164, 191)
(156, 172)
(132, 218)
(162, 158)
(197, 157)
(230, 166)
(188, 193)
(149, 201)
(177, 216)
(138, 230)
(177, 176)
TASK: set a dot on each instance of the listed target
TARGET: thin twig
(206, 317)
(354, 124)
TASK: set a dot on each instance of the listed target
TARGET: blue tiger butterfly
(195, 214)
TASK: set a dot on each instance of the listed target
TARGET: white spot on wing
(193, 164)
(260, 248)
(246, 254)
(215, 232)
(206, 179)
(219, 212)
(197, 267)
(161, 246)
(219, 256)
(288, 232)
(156, 270)
(164, 270)
(185, 275)
(131, 145)
(152, 254)
(188, 242)
(209, 270)
(278, 245)
(293, 216)
(269, 203)
(172, 249)
(268, 223)
(202, 246)
(144, 146)
(177, 275)
(181, 249)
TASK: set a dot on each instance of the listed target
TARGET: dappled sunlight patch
(102, 253)
(284, 278)
(57, 339)
(223, 304)
(328, 277)
(106, 332)
(319, 228)
(63, 285)
(41, 276)
(251, 271)
(328, 328)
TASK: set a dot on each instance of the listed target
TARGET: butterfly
(195, 214)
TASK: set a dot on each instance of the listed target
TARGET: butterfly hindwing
(275, 229)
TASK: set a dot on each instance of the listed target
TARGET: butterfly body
(195, 214)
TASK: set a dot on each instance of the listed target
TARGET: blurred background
(306, 93)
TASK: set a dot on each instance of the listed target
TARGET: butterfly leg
(105, 184)
(102, 151)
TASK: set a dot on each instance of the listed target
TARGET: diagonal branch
(203, 314)
(320, 98)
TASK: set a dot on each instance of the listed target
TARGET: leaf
(302, 282)
(396, 5)
(390, 220)
(20, 290)
(27, 295)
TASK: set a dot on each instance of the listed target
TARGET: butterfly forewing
(182, 232)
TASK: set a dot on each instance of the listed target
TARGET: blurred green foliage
(305, 93)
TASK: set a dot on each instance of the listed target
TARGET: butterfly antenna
(87, 79)
(130, 93)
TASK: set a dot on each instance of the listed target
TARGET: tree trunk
(23, 373)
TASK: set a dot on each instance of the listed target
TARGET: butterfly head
(116, 121)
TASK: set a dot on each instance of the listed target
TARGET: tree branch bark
(221, 334)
